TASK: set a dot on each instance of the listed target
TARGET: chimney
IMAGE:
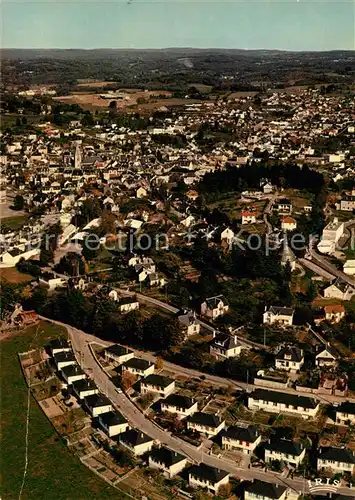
(235, 339)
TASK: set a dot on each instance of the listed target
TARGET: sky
(249, 24)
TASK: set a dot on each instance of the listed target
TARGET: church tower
(77, 158)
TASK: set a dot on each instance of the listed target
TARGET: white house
(12, 257)
(213, 307)
(288, 224)
(334, 312)
(340, 289)
(97, 404)
(349, 267)
(243, 439)
(139, 367)
(84, 387)
(128, 304)
(210, 478)
(279, 402)
(338, 460)
(290, 359)
(64, 358)
(326, 356)
(205, 423)
(60, 345)
(284, 450)
(113, 423)
(345, 413)
(72, 373)
(260, 490)
(190, 324)
(248, 217)
(224, 345)
(168, 461)
(136, 441)
(278, 315)
(227, 234)
(158, 384)
(118, 353)
(181, 405)
(330, 236)
(284, 206)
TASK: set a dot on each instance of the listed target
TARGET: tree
(19, 202)
(91, 247)
(127, 380)
(159, 363)
(46, 256)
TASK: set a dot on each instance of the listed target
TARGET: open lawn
(12, 275)
(14, 222)
(53, 472)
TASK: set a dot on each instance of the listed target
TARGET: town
(177, 285)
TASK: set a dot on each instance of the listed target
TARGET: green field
(53, 472)
(13, 223)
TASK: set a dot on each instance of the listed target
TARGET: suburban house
(340, 289)
(334, 313)
(113, 423)
(228, 235)
(128, 304)
(181, 405)
(290, 359)
(278, 315)
(284, 206)
(248, 217)
(279, 402)
(205, 423)
(12, 257)
(138, 366)
(59, 345)
(224, 345)
(288, 224)
(260, 490)
(338, 460)
(158, 384)
(136, 441)
(168, 461)
(84, 387)
(349, 267)
(72, 373)
(326, 356)
(243, 439)
(118, 353)
(347, 203)
(97, 404)
(210, 478)
(64, 358)
(284, 450)
(345, 413)
(213, 307)
(189, 323)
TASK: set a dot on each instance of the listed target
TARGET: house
(156, 280)
(12, 257)
(243, 439)
(278, 315)
(280, 402)
(284, 450)
(138, 366)
(190, 325)
(267, 188)
(213, 307)
(224, 345)
(349, 267)
(84, 387)
(284, 206)
(205, 423)
(128, 304)
(210, 478)
(141, 192)
(59, 345)
(65, 358)
(345, 413)
(72, 373)
(330, 236)
(334, 313)
(340, 289)
(260, 490)
(168, 461)
(248, 217)
(326, 356)
(288, 224)
(158, 384)
(24, 318)
(113, 423)
(290, 359)
(227, 235)
(338, 460)
(347, 203)
(181, 405)
(97, 404)
(136, 441)
(118, 353)
(51, 281)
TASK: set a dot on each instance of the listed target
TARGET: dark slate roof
(157, 380)
(133, 437)
(281, 397)
(225, 341)
(59, 343)
(337, 454)
(347, 407)
(71, 370)
(97, 400)
(212, 302)
(212, 474)
(112, 418)
(247, 434)
(284, 446)
(64, 356)
(292, 353)
(84, 384)
(321, 349)
(206, 419)
(266, 490)
(117, 350)
(287, 311)
(179, 401)
(127, 300)
(138, 364)
(165, 456)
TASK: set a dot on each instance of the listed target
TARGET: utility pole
(247, 379)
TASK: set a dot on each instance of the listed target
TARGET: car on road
(119, 390)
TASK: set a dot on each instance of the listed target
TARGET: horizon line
(182, 48)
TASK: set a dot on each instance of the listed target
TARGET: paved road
(81, 342)
(267, 212)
